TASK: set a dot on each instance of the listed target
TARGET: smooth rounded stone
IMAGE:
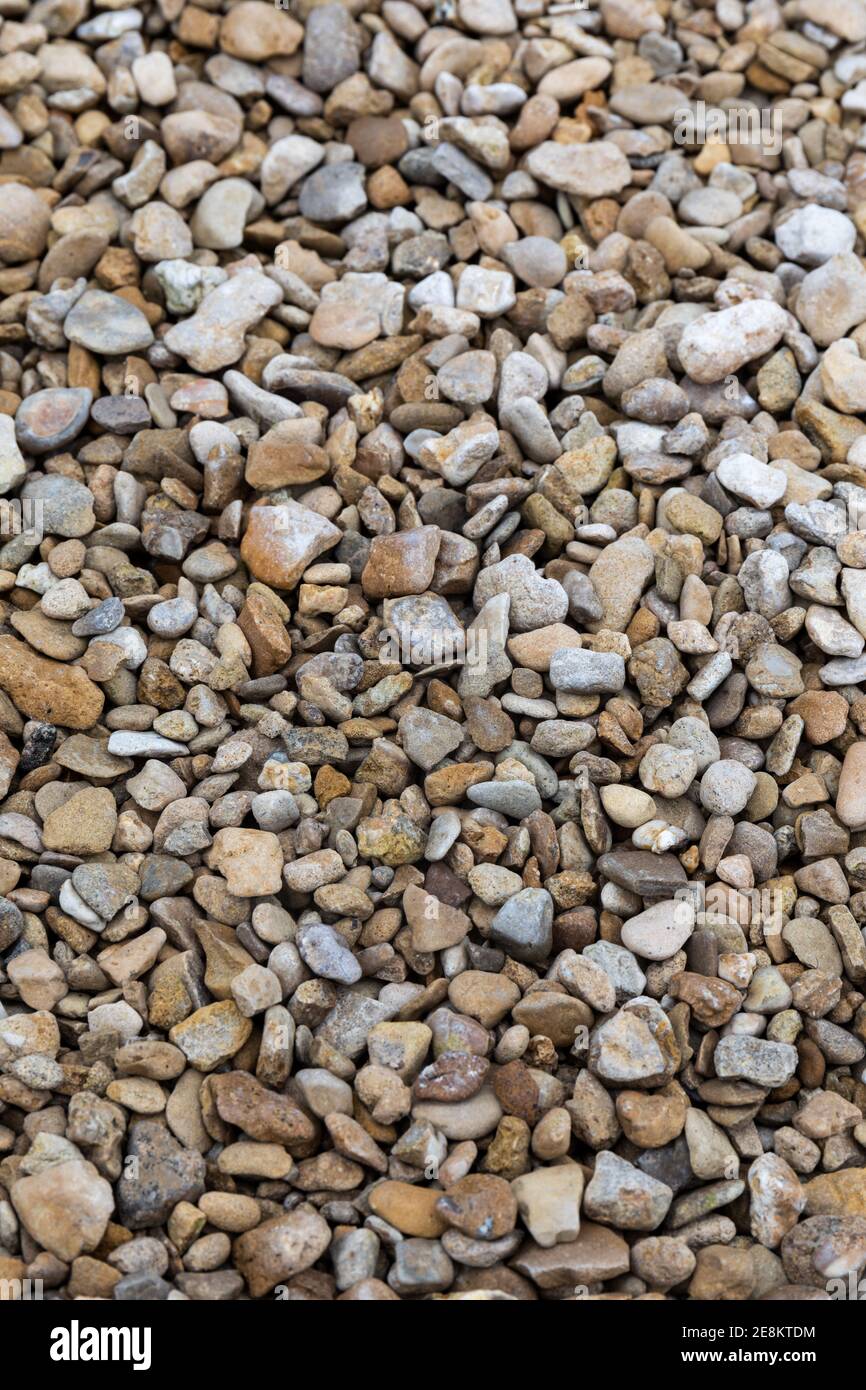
(64, 504)
(653, 1120)
(485, 997)
(511, 798)
(709, 207)
(811, 235)
(480, 1206)
(752, 480)
(129, 743)
(813, 944)
(523, 926)
(254, 32)
(159, 233)
(537, 261)
(487, 293)
(726, 787)
(851, 795)
(37, 979)
(661, 930)
(420, 1266)
(837, 1194)
(599, 171)
(831, 633)
(694, 735)
(13, 469)
(275, 810)
(186, 284)
(768, 992)
(468, 379)
(25, 220)
(623, 1051)
(211, 1035)
(627, 806)
(48, 420)
(121, 414)
(106, 888)
(624, 1196)
(480, 1254)
(854, 593)
(650, 875)
(172, 618)
(718, 344)
(223, 211)
(587, 980)
(402, 563)
(844, 671)
(492, 883)
(584, 672)
(775, 671)
(282, 541)
(262, 1114)
(597, 1254)
(619, 577)
(435, 925)
(842, 377)
(107, 324)
(453, 1076)
(721, 1272)
(444, 830)
(462, 1120)
(711, 1155)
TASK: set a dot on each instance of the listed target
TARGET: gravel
(432, 619)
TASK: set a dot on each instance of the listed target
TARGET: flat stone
(107, 324)
(50, 419)
(214, 336)
(599, 171)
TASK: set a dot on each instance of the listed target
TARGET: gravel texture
(432, 619)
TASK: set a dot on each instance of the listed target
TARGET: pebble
(46, 421)
(65, 1208)
(105, 323)
(716, 345)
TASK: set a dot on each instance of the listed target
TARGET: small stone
(624, 1196)
(277, 1250)
(549, 1203)
(65, 1208)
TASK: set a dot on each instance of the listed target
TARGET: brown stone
(44, 690)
